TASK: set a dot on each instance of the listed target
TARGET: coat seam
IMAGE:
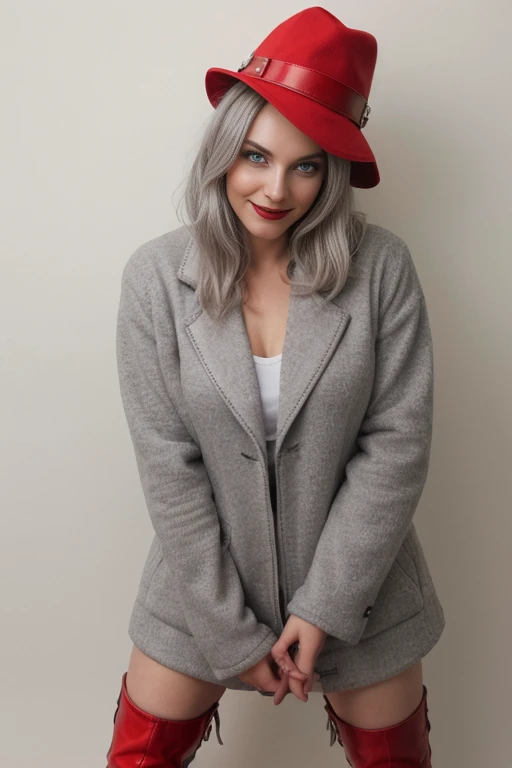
(290, 418)
(249, 430)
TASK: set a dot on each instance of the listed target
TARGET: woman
(276, 371)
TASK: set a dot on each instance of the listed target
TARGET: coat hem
(350, 666)
(178, 650)
(374, 659)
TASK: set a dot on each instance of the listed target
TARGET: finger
(282, 690)
(273, 678)
(297, 688)
(280, 653)
(308, 687)
(305, 663)
(286, 664)
(306, 659)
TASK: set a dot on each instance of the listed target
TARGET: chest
(325, 374)
(265, 312)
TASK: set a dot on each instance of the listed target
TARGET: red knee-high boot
(142, 740)
(405, 744)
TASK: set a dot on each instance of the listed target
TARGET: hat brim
(335, 133)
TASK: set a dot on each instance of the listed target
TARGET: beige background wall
(103, 105)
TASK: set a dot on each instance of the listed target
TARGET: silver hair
(321, 243)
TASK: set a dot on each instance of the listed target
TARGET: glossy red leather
(316, 85)
(405, 744)
(141, 740)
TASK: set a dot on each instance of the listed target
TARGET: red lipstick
(269, 214)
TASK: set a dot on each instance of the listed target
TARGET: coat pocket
(163, 600)
(400, 597)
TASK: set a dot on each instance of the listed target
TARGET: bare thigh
(383, 704)
(167, 693)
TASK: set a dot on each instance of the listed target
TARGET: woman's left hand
(310, 640)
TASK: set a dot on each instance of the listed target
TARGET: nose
(276, 185)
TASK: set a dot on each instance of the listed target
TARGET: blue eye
(314, 166)
(247, 154)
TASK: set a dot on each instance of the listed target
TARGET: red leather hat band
(315, 85)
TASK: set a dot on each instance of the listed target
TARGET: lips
(273, 210)
(272, 214)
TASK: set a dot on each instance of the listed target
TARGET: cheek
(239, 181)
(308, 194)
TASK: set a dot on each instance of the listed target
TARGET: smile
(265, 214)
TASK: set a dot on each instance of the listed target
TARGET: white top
(268, 370)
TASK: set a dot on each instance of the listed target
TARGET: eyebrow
(269, 153)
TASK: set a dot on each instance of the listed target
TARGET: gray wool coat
(351, 457)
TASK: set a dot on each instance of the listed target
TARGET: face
(282, 169)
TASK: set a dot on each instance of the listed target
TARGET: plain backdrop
(103, 105)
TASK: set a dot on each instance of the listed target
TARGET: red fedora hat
(317, 72)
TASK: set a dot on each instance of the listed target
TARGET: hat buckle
(365, 116)
(245, 62)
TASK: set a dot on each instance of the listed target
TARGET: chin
(266, 236)
(265, 231)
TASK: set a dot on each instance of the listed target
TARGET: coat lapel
(314, 329)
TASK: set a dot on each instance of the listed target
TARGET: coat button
(367, 612)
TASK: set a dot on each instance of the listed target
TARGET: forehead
(273, 130)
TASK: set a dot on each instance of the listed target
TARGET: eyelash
(315, 166)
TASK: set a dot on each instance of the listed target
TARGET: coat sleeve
(179, 496)
(374, 506)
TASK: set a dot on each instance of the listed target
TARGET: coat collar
(314, 329)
